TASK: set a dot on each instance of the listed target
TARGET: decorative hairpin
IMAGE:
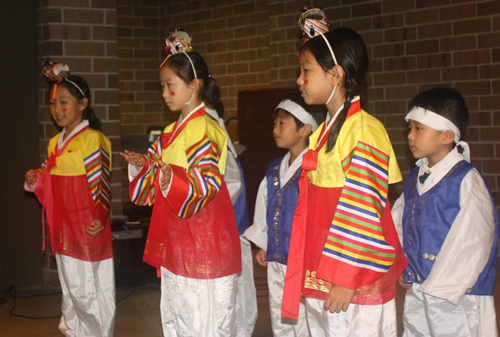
(177, 42)
(57, 73)
(313, 22)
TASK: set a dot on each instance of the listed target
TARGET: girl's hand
(338, 299)
(30, 178)
(133, 158)
(402, 284)
(95, 228)
(167, 175)
(261, 257)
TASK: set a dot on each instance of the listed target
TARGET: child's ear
(305, 130)
(336, 74)
(84, 102)
(195, 84)
(449, 137)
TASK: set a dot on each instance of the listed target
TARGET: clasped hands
(138, 160)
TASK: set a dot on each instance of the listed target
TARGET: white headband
(299, 112)
(439, 123)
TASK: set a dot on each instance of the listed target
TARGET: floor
(137, 313)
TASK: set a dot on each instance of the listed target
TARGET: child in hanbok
(345, 256)
(448, 226)
(193, 239)
(74, 187)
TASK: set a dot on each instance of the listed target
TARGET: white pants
(358, 320)
(283, 326)
(426, 315)
(246, 299)
(88, 297)
(197, 307)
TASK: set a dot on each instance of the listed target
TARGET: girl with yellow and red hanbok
(193, 239)
(74, 187)
(345, 256)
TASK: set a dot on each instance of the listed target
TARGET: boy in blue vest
(275, 207)
(447, 224)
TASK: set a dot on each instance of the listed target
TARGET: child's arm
(97, 163)
(232, 177)
(142, 172)
(261, 257)
(356, 252)
(192, 188)
(467, 246)
(257, 232)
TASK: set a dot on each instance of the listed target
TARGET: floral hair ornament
(313, 23)
(58, 73)
(179, 42)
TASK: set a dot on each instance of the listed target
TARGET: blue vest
(241, 207)
(427, 220)
(281, 204)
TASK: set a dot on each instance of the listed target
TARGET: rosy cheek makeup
(172, 93)
(306, 82)
(65, 109)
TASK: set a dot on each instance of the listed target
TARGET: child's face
(285, 132)
(315, 84)
(425, 141)
(176, 93)
(66, 110)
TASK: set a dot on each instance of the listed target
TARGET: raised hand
(133, 158)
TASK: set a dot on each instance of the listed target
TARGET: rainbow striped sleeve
(193, 188)
(356, 236)
(97, 166)
(142, 191)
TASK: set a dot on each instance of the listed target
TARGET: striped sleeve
(193, 188)
(142, 191)
(356, 242)
(98, 169)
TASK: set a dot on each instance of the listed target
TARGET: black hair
(351, 54)
(88, 112)
(181, 66)
(446, 102)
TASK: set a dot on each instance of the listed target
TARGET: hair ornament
(313, 22)
(179, 42)
(57, 72)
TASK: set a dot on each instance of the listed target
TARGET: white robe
(440, 306)
(276, 272)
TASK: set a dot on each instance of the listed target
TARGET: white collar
(61, 140)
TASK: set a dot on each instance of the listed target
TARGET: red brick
(422, 16)
(389, 78)
(495, 87)
(489, 40)
(400, 34)
(388, 21)
(83, 16)
(458, 43)
(432, 61)
(488, 8)
(422, 47)
(423, 76)
(401, 92)
(111, 18)
(473, 88)
(104, 4)
(435, 30)
(338, 13)
(104, 33)
(471, 57)
(48, 15)
(106, 65)
(84, 48)
(457, 12)
(489, 103)
(471, 26)
(400, 63)
(480, 118)
(481, 150)
(489, 71)
(389, 50)
(460, 73)
(390, 6)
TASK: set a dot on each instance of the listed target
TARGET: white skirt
(197, 307)
(426, 315)
(88, 297)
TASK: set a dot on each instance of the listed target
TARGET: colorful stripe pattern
(143, 192)
(97, 166)
(356, 236)
(203, 176)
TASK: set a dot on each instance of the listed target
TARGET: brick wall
(82, 33)
(413, 45)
